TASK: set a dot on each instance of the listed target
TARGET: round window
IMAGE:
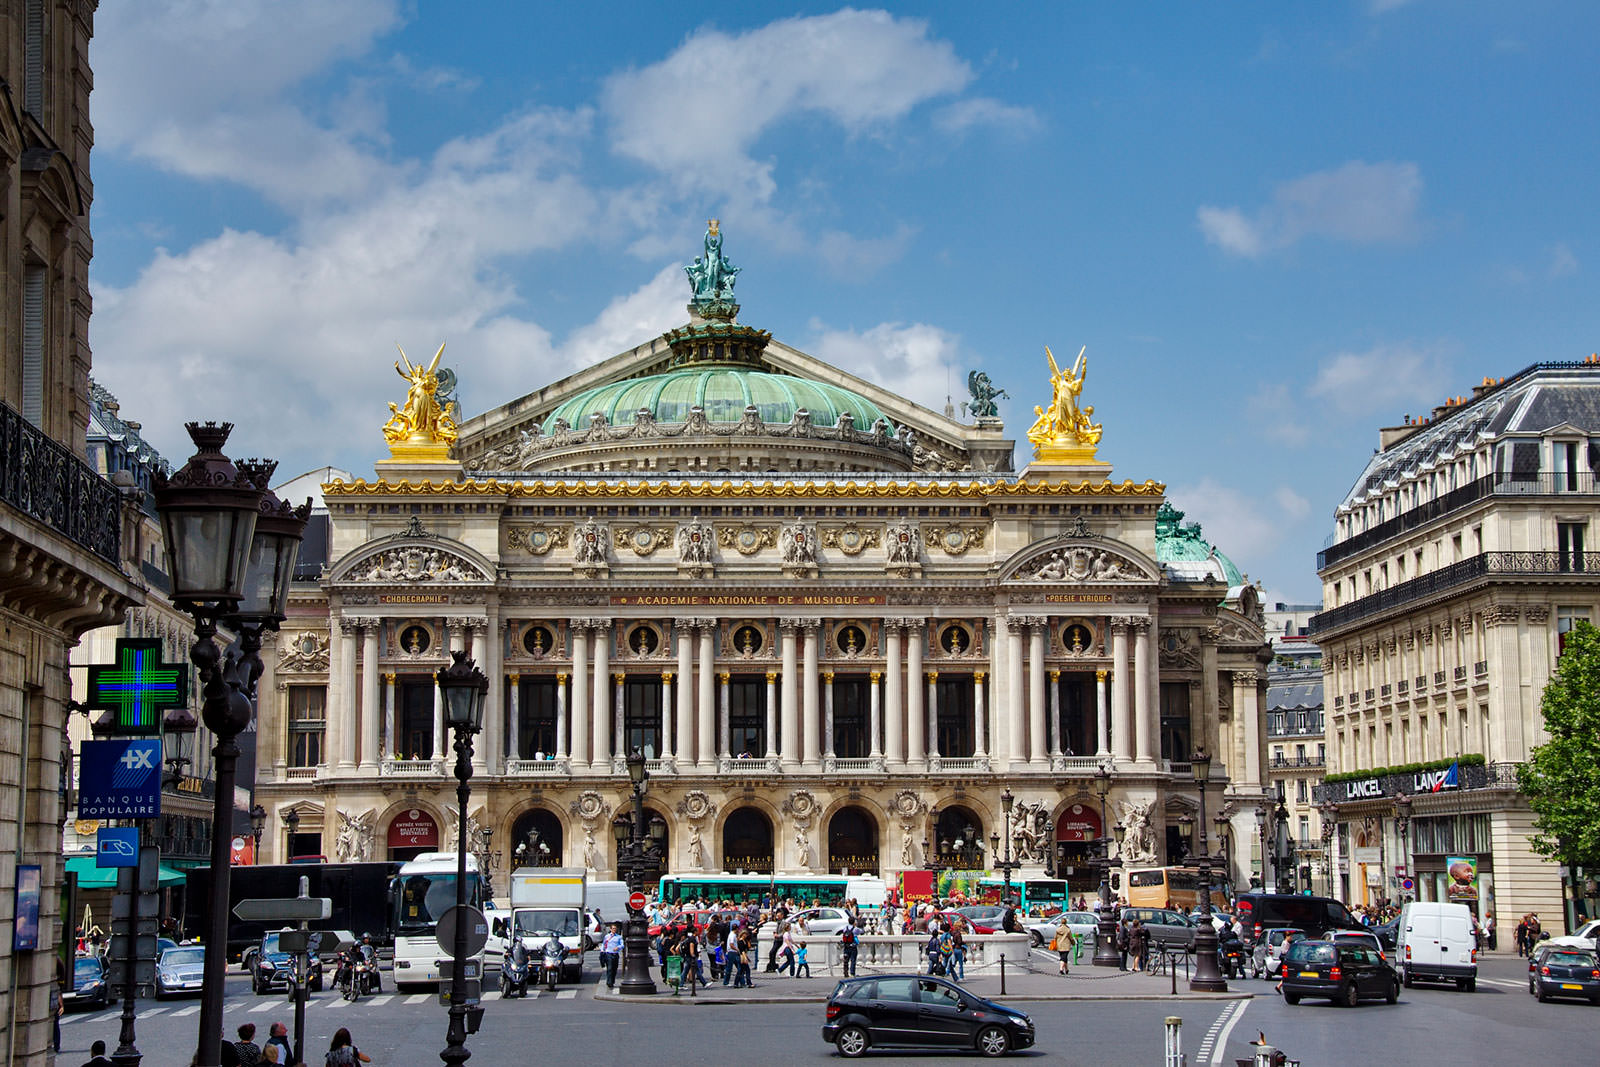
(415, 639)
(537, 640)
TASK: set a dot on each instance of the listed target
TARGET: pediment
(1074, 561)
(413, 557)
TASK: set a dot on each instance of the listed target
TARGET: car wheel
(255, 986)
(1035, 939)
(852, 1042)
(1291, 998)
(1542, 995)
(993, 1041)
(1349, 996)
(1407, 979)
(1472, 985)
(1531, 990)
(1394, 992)
(1461, 984)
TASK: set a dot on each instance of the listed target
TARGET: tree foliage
(1562, 777)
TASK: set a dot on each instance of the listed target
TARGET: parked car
(1356, 937)
(1437, 943)
(1168, 929)
(1273, 945)
(1081, 923)
(272, 966)
(180, 969)
(1567, 972)
(1388, 933)
(917, 1011)
(1344, 973)
(987, 914)
(1586, 936)
(972, 926)
(90, 983)
(1260, 912)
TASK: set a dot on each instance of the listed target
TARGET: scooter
(554, 955)
(514, 977)
(1233, 958)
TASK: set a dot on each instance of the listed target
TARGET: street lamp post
(463, 689)
(1105, 949)
(258, 822)
(1330, 825)
(1006, 864)
(231, 547)
(1282, 858)
(1224, 852)
(1261, 835)
(638, 861)
(1207, 974)
(291, 823)
(1402, 826)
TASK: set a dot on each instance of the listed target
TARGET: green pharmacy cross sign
(138, 687)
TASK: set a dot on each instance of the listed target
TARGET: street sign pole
(303, 973)
(135, 878)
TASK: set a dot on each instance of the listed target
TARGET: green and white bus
(867, 891)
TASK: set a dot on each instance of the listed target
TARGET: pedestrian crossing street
(250, 1004)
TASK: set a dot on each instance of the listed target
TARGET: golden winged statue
(1064, 423)
(422, 420)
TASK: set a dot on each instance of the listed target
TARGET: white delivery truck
(544, 901)
(608, 903)
(1435, 943)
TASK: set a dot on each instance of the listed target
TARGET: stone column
(370, 711)
(1245, 709)
(388, 715)
(875, 717)
(933, 717)
(600, 699)
(1101, 723)
(563, 751)
(1121, 711)
(810, 702)
(686, 709)
(580, 692)
(827, 718)
(494, 708)
(916, 712)
(1036, 700)
(893, 744)
(711, 724)
(772, 716)
(980, 747)
(666, 716)
(1057, 747)
(1016, 711)
(514, 727)
(789, 751)
(723, 731)
(619, 744)
(347, 693)
(1145, 714)
(337, 687)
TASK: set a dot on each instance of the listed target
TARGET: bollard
(1264, 1054)
(1174, 1041)
(1172, 969)
(1002, 974)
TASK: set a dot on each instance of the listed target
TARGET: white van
(1435, 943)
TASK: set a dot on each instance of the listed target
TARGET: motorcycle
(360, 977)
(1233, 958)
(514, 977)
(554, 954)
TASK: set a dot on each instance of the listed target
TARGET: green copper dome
(1186, 555)
(724, 392)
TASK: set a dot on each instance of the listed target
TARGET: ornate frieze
(956, 540)
(305, 652)
(1537, 614)
(644, 540)
(798, 543)
(746, 539)
(903, 543)
(1079, 563)
(695, 539)
(536, 540)
(416, 563)
(589, 542)
(852, 540)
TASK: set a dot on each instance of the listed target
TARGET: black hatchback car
(1566, 972)
(1343, 972)
(916, 1011)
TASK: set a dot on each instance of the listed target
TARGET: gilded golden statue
(422, 421)
(1064, 423)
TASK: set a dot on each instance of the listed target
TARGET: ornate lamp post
(1261, 835)
(1282, 858)
(1402, 826)
(1186, 834)
(230, 547)
(1220, 821)
(291, 825)
(1006, 864)
(1105, 949)
(1330, 826)
(177, 731)
(463, 689)
(258, 822)
(1207, 974)
(638, 862)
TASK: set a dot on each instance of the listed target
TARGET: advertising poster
(26, 936)
(1461, 879)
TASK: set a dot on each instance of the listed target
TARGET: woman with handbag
(1063, 943)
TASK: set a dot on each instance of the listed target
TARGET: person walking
(800, 961)
(786, 951)
(610, 953)
(342, 1051)
(849, 947)
(958, 951)
(747, 950)
(730, 954)
(1064, 942)
(1139, 942)
(1122, 945)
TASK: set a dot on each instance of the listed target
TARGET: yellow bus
(1165, 887)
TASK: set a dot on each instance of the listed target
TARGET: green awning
(92, 877)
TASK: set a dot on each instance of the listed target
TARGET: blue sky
(1276, 227)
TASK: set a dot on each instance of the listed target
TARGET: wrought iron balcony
(52, 485)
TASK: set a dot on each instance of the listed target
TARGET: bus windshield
(421, 898)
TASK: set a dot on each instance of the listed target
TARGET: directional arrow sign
(284, 909)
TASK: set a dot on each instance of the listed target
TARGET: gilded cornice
(743, 490)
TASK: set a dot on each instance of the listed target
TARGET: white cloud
(1381, 380)
(963, 115)
(1360, 203)
(1292, 503)
(1562, 261)
(697, 115)
(1274, 409)
(1242, 525)
(917, 361)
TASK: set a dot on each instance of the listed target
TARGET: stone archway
(747, 841)
(853, 842)
(657, 827)
(537, 839)
(958, 839)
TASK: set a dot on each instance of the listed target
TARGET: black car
(1566, 972)
(90, 983)
(1343, 972)
(270, 967)
(916, 1011)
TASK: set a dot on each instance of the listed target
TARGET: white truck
(544, 901)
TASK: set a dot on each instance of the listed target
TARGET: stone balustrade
(904, 953)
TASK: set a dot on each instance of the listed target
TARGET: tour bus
(866, 890)
(1046, 895)
(1160, 887)
(425, 889)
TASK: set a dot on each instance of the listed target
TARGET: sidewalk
(1084, 983)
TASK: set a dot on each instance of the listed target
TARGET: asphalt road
(1499, 1022)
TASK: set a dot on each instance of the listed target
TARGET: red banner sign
(414, 829)
(1078, 823)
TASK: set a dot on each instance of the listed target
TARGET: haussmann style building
(837, 623)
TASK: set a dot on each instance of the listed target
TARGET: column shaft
(388, 715)
(772, 715)
(1053, 726)
(347, 724)
(1016, 711)
(666, 715)
(371, 713)
(827, 715)
(875, 716)
(893, 744)
(1121, 712)
(493, 714)
(916, 711)
(562, 734)
(979, 742)
(619, 696)
(1144, 713)
(1101, 723)
(933, 715)
(686, 709)
(514, 713)
(1036, 699)
(789, 711)
(600, 699)
(580, 696)
(706, 750)
(810, 701)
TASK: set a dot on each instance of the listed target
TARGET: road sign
(117, 847)
(120, 779)
(636, 902)
(285, 909)
(477, 928)
(1408, 884)
(137, 688)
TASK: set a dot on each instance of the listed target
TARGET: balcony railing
(49, 483)
(1483, 565)
(1480, 668)
(1299, 761)
(1564, 483)
(1459, 674)
(413, 766)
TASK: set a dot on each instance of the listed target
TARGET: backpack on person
(849, 937)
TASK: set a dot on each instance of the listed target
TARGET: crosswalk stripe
(567, 994)
(151, 1013)
(181, 1012)
(383, 998)
(417, 998)
(264, 1007)
(493, 994)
